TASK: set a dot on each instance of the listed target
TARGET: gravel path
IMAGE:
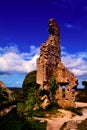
(81, 104)
(56, 124)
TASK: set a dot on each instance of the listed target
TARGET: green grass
(75, 110)
(13, 121)
(50, 110)
(20, 107)
(37, 113)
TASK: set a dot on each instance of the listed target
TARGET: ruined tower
(49, 64)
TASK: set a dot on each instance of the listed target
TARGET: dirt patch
(81, 104)
(56, 121)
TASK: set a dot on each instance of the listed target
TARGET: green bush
(13, 121)
(3, 96)
(53, 88)
(33, 95)
(37, 125)
(75, 110)
(29, 82)
(52, 108)
(43, 92)
(20, 107)
(30, 91)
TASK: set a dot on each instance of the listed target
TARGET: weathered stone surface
(49, 64)
(45, 102)
(6, 91)
(7, 100)
(71, 125)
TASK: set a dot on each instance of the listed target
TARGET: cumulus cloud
(76, 63)
(11, 60)
(8, 49)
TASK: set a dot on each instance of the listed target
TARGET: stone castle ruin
(49, 64)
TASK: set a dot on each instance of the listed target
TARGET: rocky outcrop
(71, 125)
(49, 64)
(6, 92)
(7, 100)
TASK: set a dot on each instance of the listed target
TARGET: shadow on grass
(13, 121)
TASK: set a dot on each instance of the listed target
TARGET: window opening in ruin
(63, 91)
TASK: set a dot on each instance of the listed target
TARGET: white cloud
(12, 60)
(8, 49)
(32, 52)
(76, 63)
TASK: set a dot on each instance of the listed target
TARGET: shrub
(29, 83)
(30, 91)
(43, 92)
(13, 121)
(3, 97)
(83, 125)
(53, 88)
(52, 108)
(75, 110)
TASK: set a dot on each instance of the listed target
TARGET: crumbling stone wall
(49, 64)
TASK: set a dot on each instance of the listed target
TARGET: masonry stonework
(49, 64)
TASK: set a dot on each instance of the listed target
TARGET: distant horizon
(79, 86)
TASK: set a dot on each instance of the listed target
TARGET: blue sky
(24, 27)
